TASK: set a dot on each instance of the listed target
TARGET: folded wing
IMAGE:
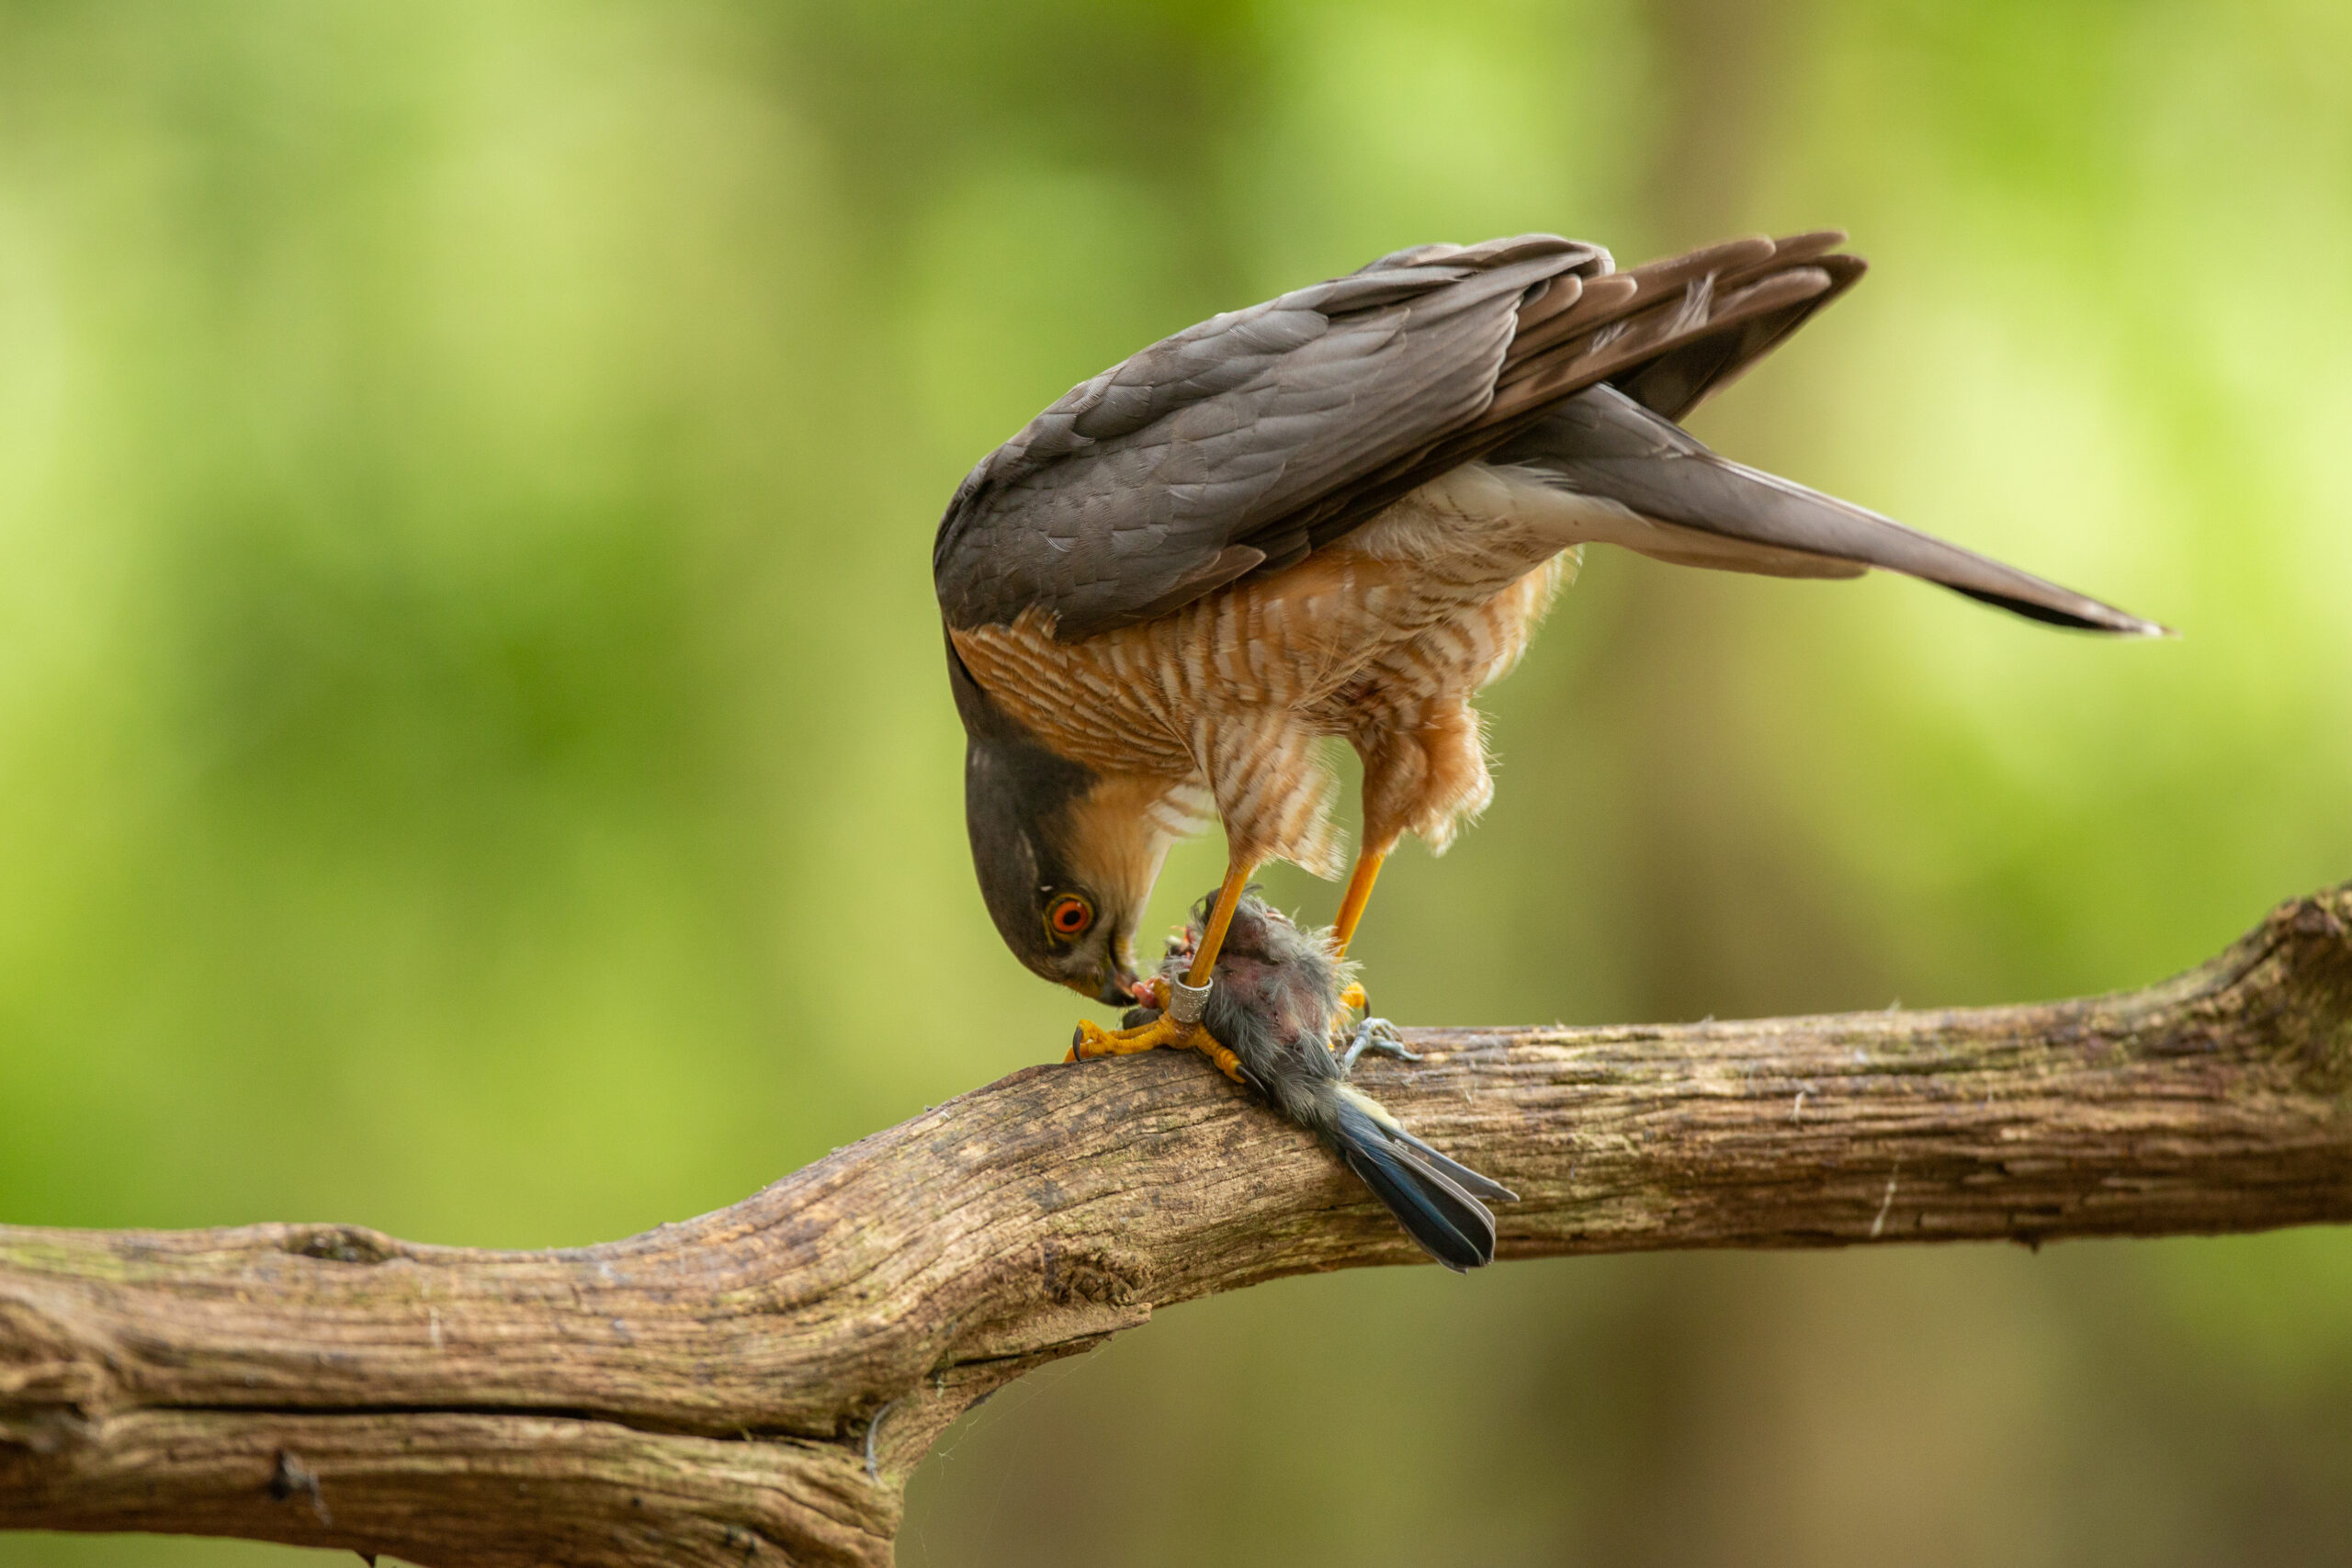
(1241, 446)
(1246, 442)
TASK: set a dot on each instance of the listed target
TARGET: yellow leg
(1359, 894)
(1343, 930)
(1228, 899)
(1093, 1039)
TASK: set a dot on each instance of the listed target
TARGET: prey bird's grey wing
(1664, 495)
(1245, 442)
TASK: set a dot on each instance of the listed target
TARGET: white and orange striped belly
(1416, 610)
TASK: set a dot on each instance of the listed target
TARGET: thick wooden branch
(752, 1386)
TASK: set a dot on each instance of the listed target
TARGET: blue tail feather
(1451, 1225)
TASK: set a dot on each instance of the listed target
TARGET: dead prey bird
(1277, 990)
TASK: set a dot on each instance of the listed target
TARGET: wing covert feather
(1244, 443)
(1183, 466)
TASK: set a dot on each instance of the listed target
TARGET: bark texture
(754, 1385)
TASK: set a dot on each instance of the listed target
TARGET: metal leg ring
(1186, 1003)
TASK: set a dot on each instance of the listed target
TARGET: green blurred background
(474, 759)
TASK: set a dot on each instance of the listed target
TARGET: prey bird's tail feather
(1639, 480)
(1461, 1175)
(1431, 1195)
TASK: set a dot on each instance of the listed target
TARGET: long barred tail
(1434, 1197)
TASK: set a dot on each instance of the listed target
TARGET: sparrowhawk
(1339, 513)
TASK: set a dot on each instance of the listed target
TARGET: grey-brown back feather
(1245, 442)
(1179, 469)
(1674, 331)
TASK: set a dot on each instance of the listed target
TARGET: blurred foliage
(473, 756)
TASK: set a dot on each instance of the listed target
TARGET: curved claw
(1228, 1063)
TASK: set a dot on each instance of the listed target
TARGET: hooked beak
(1118, 989)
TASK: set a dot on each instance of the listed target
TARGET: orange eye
(1069, 916)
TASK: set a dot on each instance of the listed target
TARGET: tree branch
(754, 1386)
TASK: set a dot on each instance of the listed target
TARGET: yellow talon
(1208, 1045)
(1091, 1040)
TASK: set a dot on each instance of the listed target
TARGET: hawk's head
(1066, 857)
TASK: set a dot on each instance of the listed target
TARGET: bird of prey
(1341, 513)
